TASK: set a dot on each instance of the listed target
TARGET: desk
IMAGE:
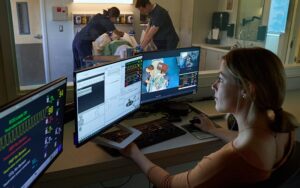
(89, 163)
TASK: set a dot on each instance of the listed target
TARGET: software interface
(105, 94)
(31, 134)
(169, 73)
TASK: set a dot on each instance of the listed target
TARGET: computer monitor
(169, 73)
(104, 95)
(31, 134)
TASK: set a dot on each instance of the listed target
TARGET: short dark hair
(142, 3)
(112, 12)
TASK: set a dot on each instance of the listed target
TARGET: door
(26, 17)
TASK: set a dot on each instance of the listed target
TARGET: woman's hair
(265, 71)
(112, 12)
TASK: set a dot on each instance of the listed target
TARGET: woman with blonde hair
(251, 86)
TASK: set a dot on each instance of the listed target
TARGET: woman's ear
(248, 91)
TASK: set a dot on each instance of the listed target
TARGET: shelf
(77, 17)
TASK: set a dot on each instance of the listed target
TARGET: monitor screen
(31, 134)
(169, 73)
(105, 94)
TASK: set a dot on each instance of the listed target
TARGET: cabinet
(210, 59)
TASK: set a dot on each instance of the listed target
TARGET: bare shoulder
(264, 150)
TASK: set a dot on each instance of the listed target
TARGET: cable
(116, 186)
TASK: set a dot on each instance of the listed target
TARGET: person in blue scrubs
(98, 25)
(160, 28)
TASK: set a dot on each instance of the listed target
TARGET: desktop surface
(85, 168)
(91, 160)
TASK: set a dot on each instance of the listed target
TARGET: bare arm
(149, 35)
(156, 174)
(208, 126)
(147, 29)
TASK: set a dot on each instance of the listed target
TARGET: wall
(295, 37)
(202, 19)
(186, 23)
(59, 44)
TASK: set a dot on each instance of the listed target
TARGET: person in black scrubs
(160, 28)
(98, 25)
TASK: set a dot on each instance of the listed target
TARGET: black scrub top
(98, 25)
(159, 17)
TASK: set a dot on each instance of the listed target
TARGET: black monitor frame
(108, 126)
(160, 55)
(20, 99)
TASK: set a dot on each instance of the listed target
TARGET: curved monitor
(105, 94)
(31, 134)
(169, 73)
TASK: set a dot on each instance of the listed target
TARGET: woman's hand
(205, 124)
(130, 151)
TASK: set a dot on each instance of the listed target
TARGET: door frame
(8, 63)
(45, 40)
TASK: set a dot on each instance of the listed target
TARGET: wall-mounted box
(230, 30)
(262, 33)
(220, 20)
(59, 13)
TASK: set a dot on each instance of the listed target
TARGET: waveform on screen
(20, 127)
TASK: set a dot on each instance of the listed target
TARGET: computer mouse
(195, 120)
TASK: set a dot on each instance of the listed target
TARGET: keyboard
(153, 132)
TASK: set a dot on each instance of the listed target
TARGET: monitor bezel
(110, 125)
(166, 98)
(27, 96)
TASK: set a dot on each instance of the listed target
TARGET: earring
(244, 95)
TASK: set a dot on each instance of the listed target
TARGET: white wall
(59, 43)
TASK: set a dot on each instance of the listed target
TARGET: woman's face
(226, 91)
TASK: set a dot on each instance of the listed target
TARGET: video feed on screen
(169, 73)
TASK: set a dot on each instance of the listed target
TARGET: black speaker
(261, 33)
(220, 20)
(230, 30)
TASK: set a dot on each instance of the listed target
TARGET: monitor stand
(176, 108)
(119, 145)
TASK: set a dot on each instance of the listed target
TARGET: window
(23, 18)
(278, 16)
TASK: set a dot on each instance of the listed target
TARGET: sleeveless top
(227, 167)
